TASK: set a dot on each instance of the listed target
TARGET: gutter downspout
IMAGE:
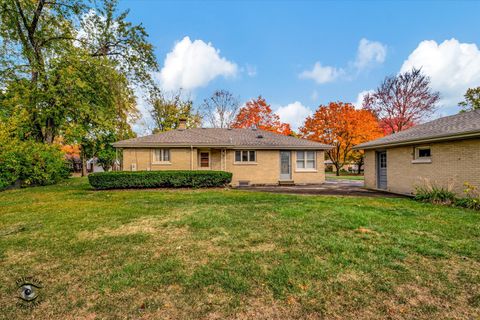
(191, 157)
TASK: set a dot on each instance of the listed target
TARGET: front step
(286, 183)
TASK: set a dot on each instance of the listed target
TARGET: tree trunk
(337, 171)
(359, 168)
(49, 131)
(84, 163)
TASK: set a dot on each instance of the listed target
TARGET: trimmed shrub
(159, 179)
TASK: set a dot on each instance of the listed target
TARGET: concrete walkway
(336, 187)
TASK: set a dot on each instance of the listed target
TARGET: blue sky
(270, 48)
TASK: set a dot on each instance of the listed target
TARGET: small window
(161, 155)
(306, 160)
(204, 159)
(423, 153)
(383, 160)
(245, 156)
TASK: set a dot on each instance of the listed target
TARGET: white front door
(285, 165)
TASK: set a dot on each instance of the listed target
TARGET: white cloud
(369, 53)
(359, 103)
(314, 95)
(453, 67)
(322, 74)
(194, 64)
(294, 114)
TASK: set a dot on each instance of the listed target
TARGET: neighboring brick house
(253, 156)
(445, 151)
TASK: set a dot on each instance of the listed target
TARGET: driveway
(330, 187)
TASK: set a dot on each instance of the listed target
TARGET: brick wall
(265, 170)
(452, 163)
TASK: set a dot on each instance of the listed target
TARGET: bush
(30, 163)
(471, 199)
(435, 194)
(159, 179)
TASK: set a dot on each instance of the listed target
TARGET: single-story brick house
(255, 157)
(445, 151)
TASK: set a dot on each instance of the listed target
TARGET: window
(245, 156)
(383, 160)
(204, 159)
(161, 155)
(306, 160)
(422, 154)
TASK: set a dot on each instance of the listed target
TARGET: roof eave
(417, 141)
(197, 145)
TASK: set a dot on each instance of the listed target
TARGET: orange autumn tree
(342, 126)
(258, 113)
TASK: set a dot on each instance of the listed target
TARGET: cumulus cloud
(370, 53)
(193, 64)
(452, 66)
(294, 114)
(322, 74)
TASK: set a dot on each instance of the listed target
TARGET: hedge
(159, 179)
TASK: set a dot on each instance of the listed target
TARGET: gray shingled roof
(215, 137)
(466, 124)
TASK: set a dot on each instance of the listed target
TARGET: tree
(402, 101)
(220, 109)
(342, 126)
(98, 101)
(167, 112)
(36, 34)
(258, 113)
(472, 100)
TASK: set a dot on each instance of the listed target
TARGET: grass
(344, 176)
(216, 254)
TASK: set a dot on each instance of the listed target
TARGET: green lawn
(344, 176)
(215, 254)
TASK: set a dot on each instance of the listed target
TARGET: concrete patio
(330, 187)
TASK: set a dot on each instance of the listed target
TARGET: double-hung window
(161, 155)
(245, 156)
(306, 160)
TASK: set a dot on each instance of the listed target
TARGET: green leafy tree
(99, 103)
(472, 100)
(36, 34)
(167, 112)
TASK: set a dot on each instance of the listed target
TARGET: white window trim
(417, 159)
(200, 160)
(314, 169)
(169, 162)
(235, 162)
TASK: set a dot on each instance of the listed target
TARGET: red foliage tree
(258, 113)
(402, 101)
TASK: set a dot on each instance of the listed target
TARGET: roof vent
(259, 136)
